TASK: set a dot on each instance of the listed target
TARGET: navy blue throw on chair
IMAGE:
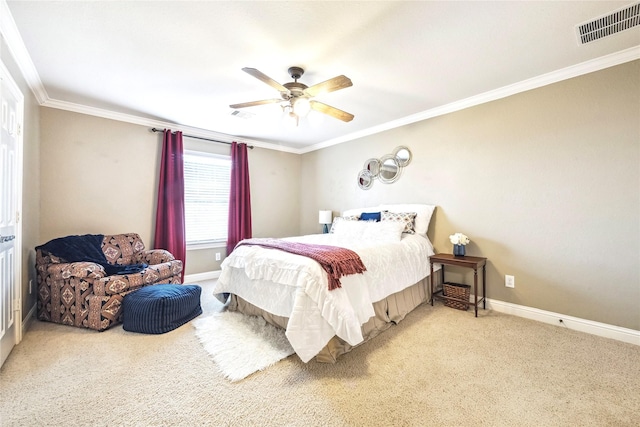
(160, 308)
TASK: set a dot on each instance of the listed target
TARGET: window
(207, 179)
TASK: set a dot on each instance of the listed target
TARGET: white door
(11, 101)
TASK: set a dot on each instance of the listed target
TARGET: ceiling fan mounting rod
(295, 72)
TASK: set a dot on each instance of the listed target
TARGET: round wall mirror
(389, 169)
(373, 166)
(403, 154)
(365, 180)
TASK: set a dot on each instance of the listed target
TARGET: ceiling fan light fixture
(298, 97)
(289, 118)
(301, 106)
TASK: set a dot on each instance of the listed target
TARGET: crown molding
(20, 54)
(19, 51)
(143, 121)
(577, 70)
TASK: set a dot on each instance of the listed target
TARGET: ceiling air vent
(612, 23)
(242, 114)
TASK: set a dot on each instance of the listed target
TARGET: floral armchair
(82, 293)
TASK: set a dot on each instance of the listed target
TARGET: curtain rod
(200, 137)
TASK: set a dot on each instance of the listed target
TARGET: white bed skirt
(388, 311)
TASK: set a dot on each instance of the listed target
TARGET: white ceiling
(177, 62)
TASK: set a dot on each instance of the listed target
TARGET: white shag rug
(241, 345)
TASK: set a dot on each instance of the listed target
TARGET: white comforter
(296, 287)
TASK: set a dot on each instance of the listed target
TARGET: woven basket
(459, 291)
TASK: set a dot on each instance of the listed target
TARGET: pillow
(371, 216)
(405, 218)
(383, 232)
(421, 222)
(378, 232)
(358, 211)
(349, 229)
(341, 218)
(423, 217)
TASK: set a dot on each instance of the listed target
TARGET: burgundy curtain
(239, 197)
(170, 228)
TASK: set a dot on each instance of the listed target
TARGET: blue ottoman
(157, 309)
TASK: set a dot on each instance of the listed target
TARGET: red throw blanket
(336, 261)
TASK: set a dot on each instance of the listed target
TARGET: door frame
(17, 302)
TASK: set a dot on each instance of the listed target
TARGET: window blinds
(207, 182)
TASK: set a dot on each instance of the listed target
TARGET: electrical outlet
(217, 256)
(509, 281)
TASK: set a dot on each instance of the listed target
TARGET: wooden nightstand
(466, 262)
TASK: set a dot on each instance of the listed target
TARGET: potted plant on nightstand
(459, 241)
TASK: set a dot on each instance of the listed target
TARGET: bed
(291, 292)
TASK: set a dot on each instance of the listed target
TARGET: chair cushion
(157, 309)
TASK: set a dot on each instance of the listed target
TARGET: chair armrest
(125, 283)
(154, 256)
(173, 267)
(80, 270)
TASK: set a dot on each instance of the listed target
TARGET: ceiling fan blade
(253, 103)
(330, 85)
(263, 77)
(331, 111)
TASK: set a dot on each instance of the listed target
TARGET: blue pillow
(372, 216)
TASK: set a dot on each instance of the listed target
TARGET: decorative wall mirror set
(387, 169)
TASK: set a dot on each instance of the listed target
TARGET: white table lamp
(325, 218)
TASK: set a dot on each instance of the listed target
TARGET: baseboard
(630, 336)
(198, 277)
(605, 330)
(26, 323)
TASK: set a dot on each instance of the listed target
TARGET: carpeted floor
(439, 367)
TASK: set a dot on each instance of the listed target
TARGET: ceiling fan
(296, 99)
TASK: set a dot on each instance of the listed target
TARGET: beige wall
(100, 176)
(97, 176)
(30, 215)
(546, 183)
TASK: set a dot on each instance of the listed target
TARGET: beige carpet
(438, 367)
